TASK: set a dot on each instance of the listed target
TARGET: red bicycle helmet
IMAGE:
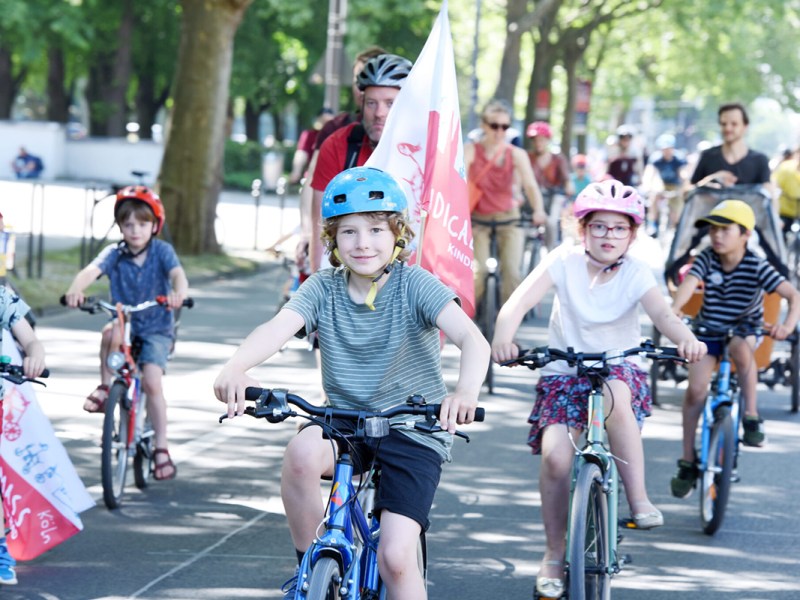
(142, 194)
(539, 128)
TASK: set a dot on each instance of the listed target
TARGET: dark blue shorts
(410, 474)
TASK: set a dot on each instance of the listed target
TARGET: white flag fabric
(421, 147)
(42, 493)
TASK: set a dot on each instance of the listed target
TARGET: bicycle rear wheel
(114, 454)
(715, 482)
(589, 550)
(325, 580)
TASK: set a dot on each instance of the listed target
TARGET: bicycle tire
(794, 376)
(589, 550)
(490, 297)
(144, 459)
(114, 452)
(715, 481)
(325, 580)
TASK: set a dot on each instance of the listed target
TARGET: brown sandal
(158, 468)
(96, 401)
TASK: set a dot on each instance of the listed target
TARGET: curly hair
(397, 224)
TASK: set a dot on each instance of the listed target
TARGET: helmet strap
(604, 268)
(124, 249)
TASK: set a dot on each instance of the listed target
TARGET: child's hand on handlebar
(692, 350)
(229, 388)
(458, 408)
(502, 352)
(175, 299)
(74, 299)
(779, 331)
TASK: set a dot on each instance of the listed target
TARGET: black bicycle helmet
(384, 70)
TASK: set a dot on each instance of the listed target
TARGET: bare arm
(668, 323)
(459, 407)
(264, 341)
(789, 292)
(33, 363)
(86, 277)
(522, 166)
(524, 298)
(180, 287)
(684, 293)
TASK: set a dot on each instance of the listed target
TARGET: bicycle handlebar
(539, 357)
(739, 329)
(15, 373)
(273, 405)
(93, 305)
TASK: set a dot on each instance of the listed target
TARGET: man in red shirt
(380, 81)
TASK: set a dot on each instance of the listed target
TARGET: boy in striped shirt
(734, 281)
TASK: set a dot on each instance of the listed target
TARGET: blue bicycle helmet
(362, 189)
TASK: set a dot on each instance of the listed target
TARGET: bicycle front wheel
(589, 550)
(325, 580)
(114, 465)
(716, 479)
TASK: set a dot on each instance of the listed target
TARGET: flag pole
(423, 215)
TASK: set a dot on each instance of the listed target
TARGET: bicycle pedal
(627, 524)
(625, 559)
(735, 477)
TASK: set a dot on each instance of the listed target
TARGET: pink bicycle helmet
(539, 128)
(612, 196)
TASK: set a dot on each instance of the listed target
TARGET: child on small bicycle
(378, 322)
(139, 268)
(12, 317)
(598, 289)
(734, 281)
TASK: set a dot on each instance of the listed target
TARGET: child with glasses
(598, 290)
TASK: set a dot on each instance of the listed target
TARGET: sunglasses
(496, 126)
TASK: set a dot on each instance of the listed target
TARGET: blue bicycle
(342, 562)
(719, 431)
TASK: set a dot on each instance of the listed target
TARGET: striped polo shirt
(737, 296)
(376, 359)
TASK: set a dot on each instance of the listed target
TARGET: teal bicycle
(593, 555)
(342, 562)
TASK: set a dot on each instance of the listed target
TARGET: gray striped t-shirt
(376, 359)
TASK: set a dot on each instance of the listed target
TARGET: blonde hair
(397, 224)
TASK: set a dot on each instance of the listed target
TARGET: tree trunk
(57, 96)
(541, 77)
(191, 172)
(251, 118)
(7, 91)
(509, 65)
(121, 73)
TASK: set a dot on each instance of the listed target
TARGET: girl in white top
(597, 293)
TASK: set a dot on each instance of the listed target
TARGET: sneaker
(289, 588)
(8, 576)
(753, 431)
(685, 479)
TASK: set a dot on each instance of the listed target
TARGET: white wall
(108, 160)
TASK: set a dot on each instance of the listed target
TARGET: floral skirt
(563, 399)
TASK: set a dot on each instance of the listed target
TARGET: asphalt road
(218, 531)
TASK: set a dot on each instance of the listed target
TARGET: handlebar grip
(45, 374)
(63, 300)
(252, 393)
(480, 413)
(188, 302)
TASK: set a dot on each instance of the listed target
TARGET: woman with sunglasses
(493, 166)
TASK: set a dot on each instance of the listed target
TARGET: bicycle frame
(724, 387)
(346, 521)
(596, 451)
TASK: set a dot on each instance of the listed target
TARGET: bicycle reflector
(115, 360)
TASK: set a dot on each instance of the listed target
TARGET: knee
(396, 560)
(556, 465)
(300, 463)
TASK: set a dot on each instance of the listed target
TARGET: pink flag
(42, 493)
(421, 147)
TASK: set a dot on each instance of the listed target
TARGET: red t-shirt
(332, 155)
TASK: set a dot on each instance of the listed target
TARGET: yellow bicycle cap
(730, 211)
